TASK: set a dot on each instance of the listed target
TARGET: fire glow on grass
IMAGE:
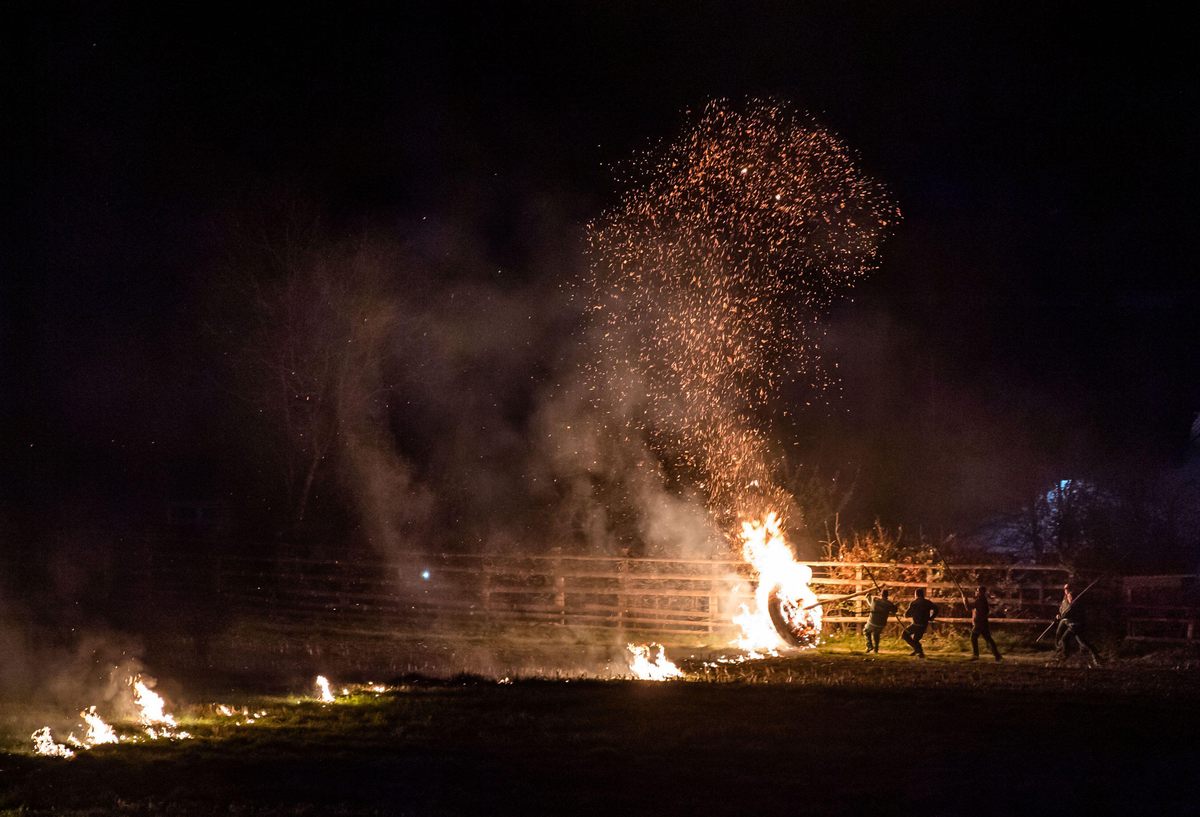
(783, 593)
(648, 662)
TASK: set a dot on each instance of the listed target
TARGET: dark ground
(816, 734)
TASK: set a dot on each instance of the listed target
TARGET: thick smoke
(453, 405)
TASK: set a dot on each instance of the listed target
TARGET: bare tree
(309, 355)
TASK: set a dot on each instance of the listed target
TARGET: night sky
(1033, 318)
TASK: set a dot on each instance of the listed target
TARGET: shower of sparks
(708, 285)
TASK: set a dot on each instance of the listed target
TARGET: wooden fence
(667, 600)
(1161, 608)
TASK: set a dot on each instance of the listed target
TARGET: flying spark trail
(708, 284)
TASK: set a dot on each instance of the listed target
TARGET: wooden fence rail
(662, 599)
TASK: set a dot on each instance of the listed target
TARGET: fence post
(560, 587)
(858, 586)
(714, 602)
(622, 599)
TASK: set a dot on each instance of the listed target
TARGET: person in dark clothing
(921, 611)
(1071, 626)
(881, 610)
(980, 627)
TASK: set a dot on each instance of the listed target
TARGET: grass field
(821, 733)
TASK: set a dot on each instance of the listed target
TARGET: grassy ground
(820, 733)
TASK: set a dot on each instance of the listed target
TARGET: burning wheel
(795, 625)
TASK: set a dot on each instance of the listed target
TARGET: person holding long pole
(1071, 626)
(881, 610)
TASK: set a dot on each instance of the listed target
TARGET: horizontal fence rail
(669, 600)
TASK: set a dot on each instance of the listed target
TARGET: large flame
(646, 668)
(782, 585)
(324, 693)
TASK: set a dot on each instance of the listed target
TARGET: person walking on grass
(881, 611)
(980, 628)
(921, 611)
(1071, 625)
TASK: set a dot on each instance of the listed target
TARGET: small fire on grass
(154, 718)
(98, 732)
(649, 662)
(155, 721)
(324, 692)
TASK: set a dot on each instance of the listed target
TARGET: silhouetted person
(1071, 626)
(881, 611)
(921, 611)
(980, 627)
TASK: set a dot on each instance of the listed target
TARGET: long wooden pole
(1059, 617)
(950, 573)
(839, 598)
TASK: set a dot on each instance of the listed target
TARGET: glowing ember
(708, 286)
(326, 694)
(647, 668)
(242, 717)
(43, 744)
(783, 595)
(154, 719)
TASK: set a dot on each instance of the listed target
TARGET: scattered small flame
(326, 694)
(43, 744)
(98, 732)
(156, 722)
(243, 716)
(153, 716)
(645, 668)
(781, 580)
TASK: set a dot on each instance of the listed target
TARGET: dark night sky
(1041, 286)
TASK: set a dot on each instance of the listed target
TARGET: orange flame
(646, 668)
(782, 585)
